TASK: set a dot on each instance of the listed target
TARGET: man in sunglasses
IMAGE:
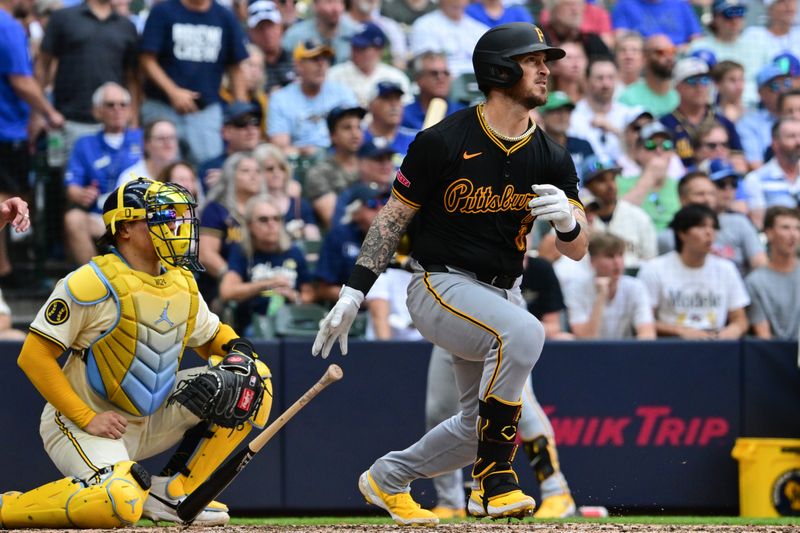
(653, 190)
(693, 81)
(654, 91)
(755, 128)
(433, 79)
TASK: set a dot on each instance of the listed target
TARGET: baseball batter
(474, 183)
(124, 320)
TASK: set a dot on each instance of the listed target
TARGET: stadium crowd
(288, 120)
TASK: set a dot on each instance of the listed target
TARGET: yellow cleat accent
(449, 513)
(514, 504)
(558, 506)
(403, 509)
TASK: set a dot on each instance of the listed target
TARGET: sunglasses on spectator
(780, 85)
(702, 81)
(727, 183)
(437, 73)
(664, 52)
(265, 219)
(650, 145)
(243, 122)
(733, 12)
(113, 104)
(714, 145)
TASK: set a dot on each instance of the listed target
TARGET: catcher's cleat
(501, 503)
(403, 509)
(558, 506)
(449, 513)
(160, 507)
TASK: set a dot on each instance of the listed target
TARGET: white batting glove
(552, 204)
(337, 323)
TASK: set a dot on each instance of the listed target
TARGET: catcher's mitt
(228, 394)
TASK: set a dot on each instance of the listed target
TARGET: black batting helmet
(492, 58)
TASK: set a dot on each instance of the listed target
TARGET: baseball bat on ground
(437, 109)
(195, 502)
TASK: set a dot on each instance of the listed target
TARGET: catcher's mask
(168, 209)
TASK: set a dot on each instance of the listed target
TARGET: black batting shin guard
(538, 452)
(497, 433)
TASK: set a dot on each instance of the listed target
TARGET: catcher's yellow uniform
(124, 332)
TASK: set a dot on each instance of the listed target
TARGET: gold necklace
(500, 135)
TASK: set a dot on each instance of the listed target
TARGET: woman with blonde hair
(266, 270)
(301, 221)
(183, 173)
(223, 216)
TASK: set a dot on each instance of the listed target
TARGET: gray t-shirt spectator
(737, 240)
(630, 307)
(327, 176)
(773, 298)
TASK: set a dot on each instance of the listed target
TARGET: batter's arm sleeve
(39, 360)
(421, 168)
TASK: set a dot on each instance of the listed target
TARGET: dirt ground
(467, 527)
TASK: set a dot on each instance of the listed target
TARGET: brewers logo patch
(57, 312)
(786, 493)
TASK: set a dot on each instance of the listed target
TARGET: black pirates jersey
(472, 189)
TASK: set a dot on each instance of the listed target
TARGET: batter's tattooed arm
(384, 234)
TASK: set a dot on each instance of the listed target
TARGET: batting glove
(337, 323)
(552, 204)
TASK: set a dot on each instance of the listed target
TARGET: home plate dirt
(467, 527)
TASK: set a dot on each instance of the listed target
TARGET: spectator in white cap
(728, 42)
(361, 12)
(365, 69)
(755, 128)
(265, 28)
(326, 26)
(386, 109)
(297, 112)
(693, 82)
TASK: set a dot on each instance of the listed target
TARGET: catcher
(124, 320)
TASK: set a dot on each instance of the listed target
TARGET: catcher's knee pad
(115, 501)
(542, 455)
(206, 446)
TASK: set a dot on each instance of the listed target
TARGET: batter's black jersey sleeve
(472, 190)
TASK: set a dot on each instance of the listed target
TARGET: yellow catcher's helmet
(169, 211)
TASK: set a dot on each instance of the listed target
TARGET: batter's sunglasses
(650, 145)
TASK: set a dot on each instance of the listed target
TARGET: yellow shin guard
(114, 502)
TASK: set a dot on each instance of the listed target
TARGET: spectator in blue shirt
(433, 80)
(296, 120)
(674, 18)
(341, 246)
(96, 162)
(187, 46)
(493, 13)
(386, 108)
(240, 132)
(376, 170)
(327, 25)
(755, 127)
(556, 115)
(18, 93)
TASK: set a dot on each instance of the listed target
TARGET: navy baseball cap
(339, 112)
(788, 63)
(385, 88)
(375, 148)
(729, 9)
(594, 166)
(718, 169)
(370, 35)
(237, 110)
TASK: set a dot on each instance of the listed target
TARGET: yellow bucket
(769, 477)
